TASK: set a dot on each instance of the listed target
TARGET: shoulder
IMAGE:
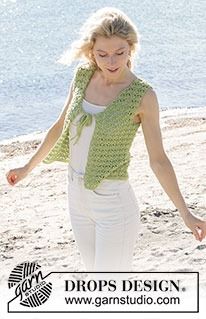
(145, 88)
(82, 71)
(142, 87)
(149, 102)
(144, 83)
(149, 96)
(84, 67)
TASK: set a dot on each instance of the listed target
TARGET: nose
(112, 61)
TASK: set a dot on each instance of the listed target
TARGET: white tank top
(79, 151)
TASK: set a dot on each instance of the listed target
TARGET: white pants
(105, 222)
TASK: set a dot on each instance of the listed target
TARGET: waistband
(79, 177)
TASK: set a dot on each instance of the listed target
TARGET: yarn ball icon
(30, 286)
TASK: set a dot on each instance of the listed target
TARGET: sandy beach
(35, 224)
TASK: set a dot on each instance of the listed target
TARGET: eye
(103, 56)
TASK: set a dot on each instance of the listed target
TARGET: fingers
(199, 233)
(196, 234)
(11, 178)
(203, 233)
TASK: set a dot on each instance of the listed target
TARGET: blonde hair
(104, 22)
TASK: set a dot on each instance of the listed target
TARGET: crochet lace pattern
(109, 151)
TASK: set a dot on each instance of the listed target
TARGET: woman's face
(111, 55)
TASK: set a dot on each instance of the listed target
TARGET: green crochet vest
(109, 151)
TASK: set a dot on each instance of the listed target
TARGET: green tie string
(85, 120)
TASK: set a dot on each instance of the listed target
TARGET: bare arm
(159, 162)
(15, 175)
(52, 135)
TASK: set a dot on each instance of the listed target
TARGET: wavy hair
(104, 22)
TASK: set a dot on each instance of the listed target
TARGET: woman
(104, 108)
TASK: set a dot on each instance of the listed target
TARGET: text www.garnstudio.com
(126, 300)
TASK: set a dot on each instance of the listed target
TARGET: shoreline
(164, 113)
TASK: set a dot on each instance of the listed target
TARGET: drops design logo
(29, 284)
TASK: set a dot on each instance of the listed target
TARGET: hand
(197, 225)
(15, 175)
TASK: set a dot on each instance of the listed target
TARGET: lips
(113, 70)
